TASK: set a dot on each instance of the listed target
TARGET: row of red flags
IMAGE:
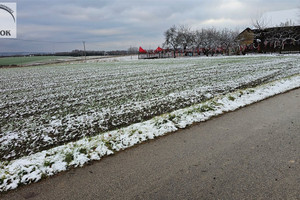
(141, 50)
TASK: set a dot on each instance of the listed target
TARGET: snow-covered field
(55, 117)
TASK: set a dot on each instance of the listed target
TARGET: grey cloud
(115, 24)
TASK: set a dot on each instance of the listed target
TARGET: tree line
(206, 40)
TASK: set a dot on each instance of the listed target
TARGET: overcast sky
(119, 24)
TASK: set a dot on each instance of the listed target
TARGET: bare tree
(172, 39)
(133, 50)
(228, 39)
(199, 38)
(287, 23)
(260, 24)
(186, 37)
(212, 36)
(210, 39)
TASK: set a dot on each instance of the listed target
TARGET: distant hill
(2, 54)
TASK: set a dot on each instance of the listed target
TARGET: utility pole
(83, 42)
(130, 52)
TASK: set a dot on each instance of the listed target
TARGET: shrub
(69, 157)
(231, 98)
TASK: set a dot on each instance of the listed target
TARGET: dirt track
(252, 153)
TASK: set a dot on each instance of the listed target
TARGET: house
(246, 37)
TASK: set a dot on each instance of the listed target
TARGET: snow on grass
(47, 106)
(34, 167)
(114, 59)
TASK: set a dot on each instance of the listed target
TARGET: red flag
(158, 49)
(141, 50)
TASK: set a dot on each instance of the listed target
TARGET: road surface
(252, 153)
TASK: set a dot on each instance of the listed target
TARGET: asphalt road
(252, 153)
